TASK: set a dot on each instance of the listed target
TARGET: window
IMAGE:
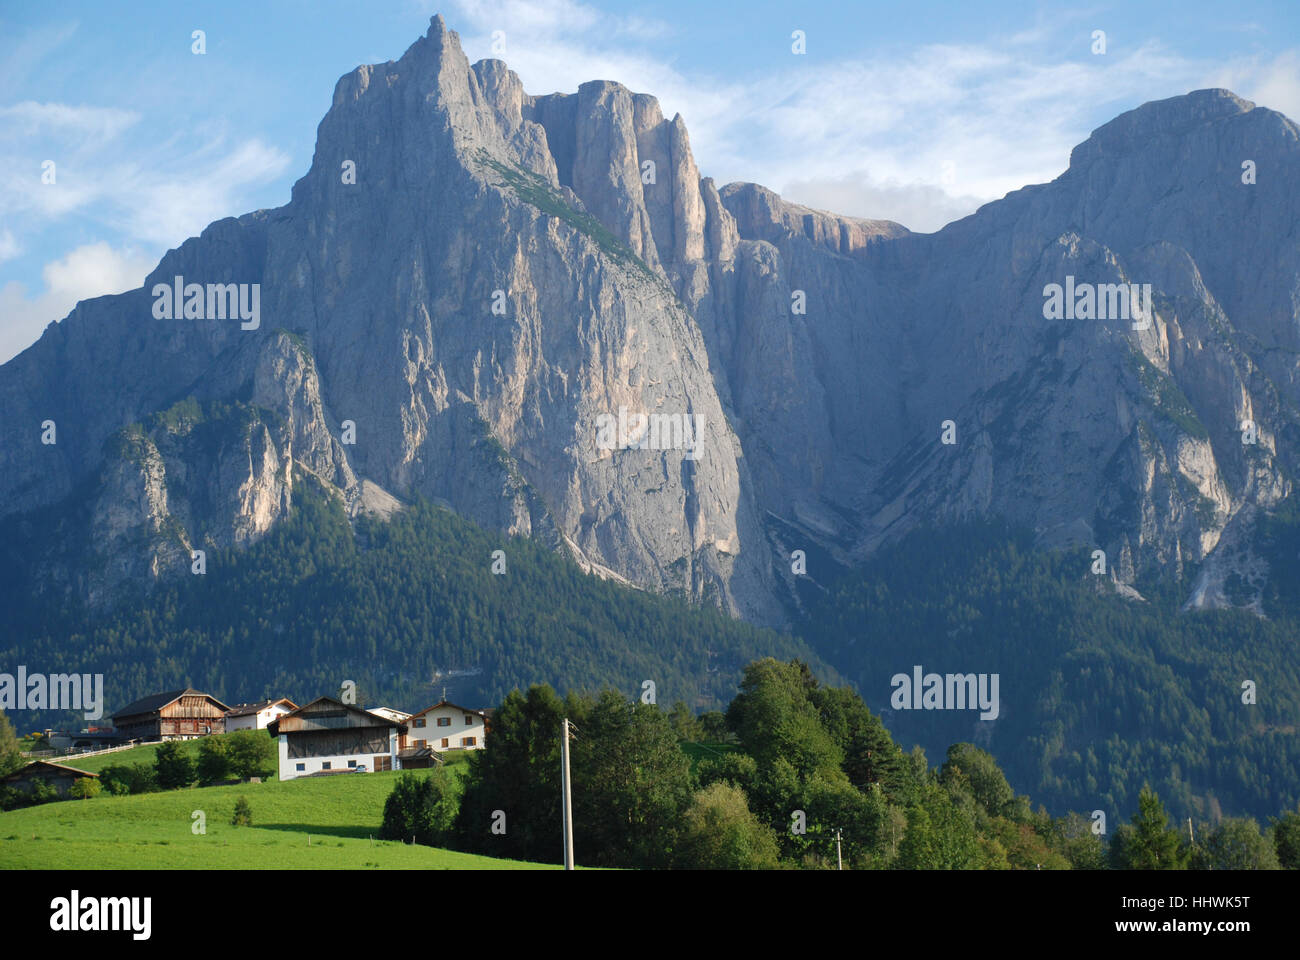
(421, 744)
(468, 720)
(325, 765)
(352, 763)
(301, 767)
(467, 741)
(419, 722)
(444, 721)
(444, 741)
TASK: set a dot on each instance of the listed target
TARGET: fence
(73, 752)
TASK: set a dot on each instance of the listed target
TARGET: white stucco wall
(289, 767)
(455, 731)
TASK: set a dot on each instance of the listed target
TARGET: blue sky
(916, 111)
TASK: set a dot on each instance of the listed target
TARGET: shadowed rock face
(506, 270)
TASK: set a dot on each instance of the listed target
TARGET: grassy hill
(153, 830)
(145, 753)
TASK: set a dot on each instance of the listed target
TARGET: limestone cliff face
(1089, 430)
(472, 307)
(470, 281)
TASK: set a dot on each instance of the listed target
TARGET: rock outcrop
(471, 283)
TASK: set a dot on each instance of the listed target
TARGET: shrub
(214, 760)
(251, 754)
(243, 816)
(85, 788)
(120, 779)
(172, 766)
(423, 807)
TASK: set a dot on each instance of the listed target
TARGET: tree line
(176, 765)
(794, 767)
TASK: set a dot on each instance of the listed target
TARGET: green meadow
(317, 823)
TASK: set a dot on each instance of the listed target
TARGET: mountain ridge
(380, 302)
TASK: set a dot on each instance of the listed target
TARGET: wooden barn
(55, 775)
(328, 737)
(175, 715)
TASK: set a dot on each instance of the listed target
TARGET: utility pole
(839, 859)
(568, 798)
(1191, 835)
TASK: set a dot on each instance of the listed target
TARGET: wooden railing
(74, 752)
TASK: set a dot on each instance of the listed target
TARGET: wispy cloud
(9, 247)
(30, 118)
(92, 270)
(156, 195)
(924, 137)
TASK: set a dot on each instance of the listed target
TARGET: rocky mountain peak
(1159, 121)
(471, 282)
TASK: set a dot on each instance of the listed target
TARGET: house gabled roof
(22, 771)
(326, 713)
(454, 706)
(244, 709)
(159, 700)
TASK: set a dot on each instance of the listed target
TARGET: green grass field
(153, 830)
(141, 754)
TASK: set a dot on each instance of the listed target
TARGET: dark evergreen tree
(173, 768)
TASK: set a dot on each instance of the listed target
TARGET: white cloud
(921, 207)
(167, 208)
(9, 247)
(160, 196)
(995, 116)
(93, 270)
(1271, 83)
(30, 118)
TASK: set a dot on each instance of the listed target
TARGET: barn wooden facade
(328, 737)
(175, 715)
(54, 775)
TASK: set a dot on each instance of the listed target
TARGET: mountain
(471, 283)
(474, 280)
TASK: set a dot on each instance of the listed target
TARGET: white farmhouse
(328, 737)
(446, 726)
(257, 716)
(389, 713)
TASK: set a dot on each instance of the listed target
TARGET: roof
(448, 703)
(418, 753)
(244, 709)
(160, 700)
(47, 763)
(325, 713)
(389, 712)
